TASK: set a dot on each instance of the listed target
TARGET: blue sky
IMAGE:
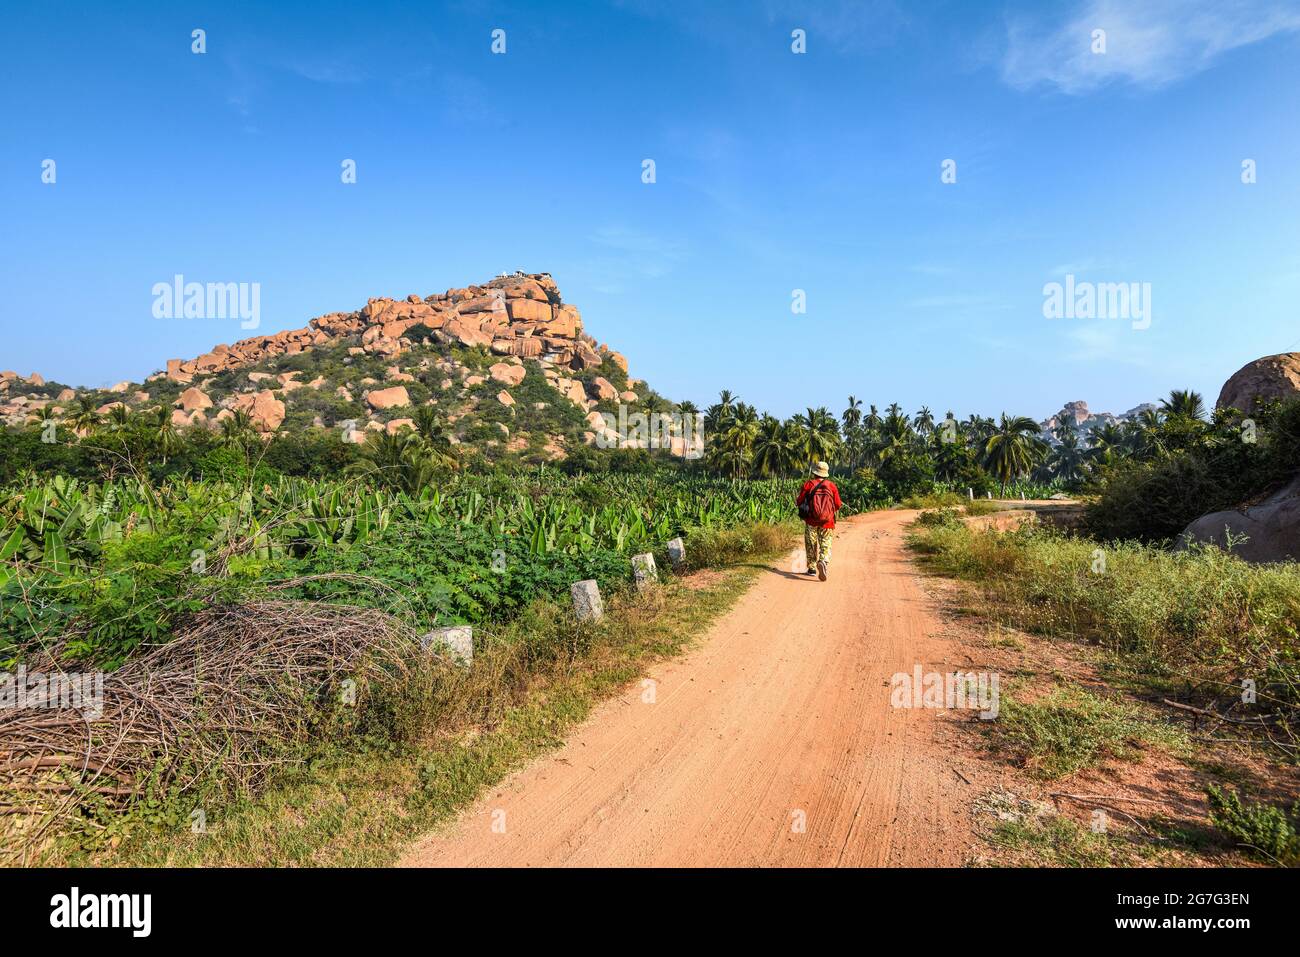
(775, 171)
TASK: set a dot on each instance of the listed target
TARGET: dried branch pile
(236, 693)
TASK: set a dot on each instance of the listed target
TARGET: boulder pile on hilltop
(505, 365)
(520, 315)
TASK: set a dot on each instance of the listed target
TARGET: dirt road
(772, 743)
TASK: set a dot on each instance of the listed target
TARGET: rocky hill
(506, 364)
(1077, 415)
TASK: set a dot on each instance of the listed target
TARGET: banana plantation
(113, 563)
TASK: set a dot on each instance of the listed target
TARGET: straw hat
(821, 470)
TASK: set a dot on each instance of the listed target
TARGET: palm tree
(1105, 442)
(732, 450)
(774, 447)
(1142, 436)
(1066, 461)
(745, 413)
(1012, 449)
(85, 419)
(1148, 419)
(923, 421)
(236, 429)
(118, 417)
(399, 461)
(854, 434)
(1064, 427)
(980, 428)
(436, 442)
(819, 434)
(717, 418)
(165, 436)
(42, 415)
(1185, 403)
(896, 427)
(851, 417)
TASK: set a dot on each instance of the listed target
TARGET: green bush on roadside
(1262, 828)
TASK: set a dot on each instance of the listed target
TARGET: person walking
(818, 502)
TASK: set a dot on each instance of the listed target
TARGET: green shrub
(935, 500)
(449, 574)
(1264, 829)
(1154, 500)
(1072, 728)
(939, 518)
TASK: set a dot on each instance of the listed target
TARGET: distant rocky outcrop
(1272, 377)
(1076, 412)
(367, 370)
(520, 315)
(1082, 420)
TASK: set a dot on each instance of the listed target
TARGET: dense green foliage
(1153, 486)
(112, 565)
(896, 454)
(1267, 831)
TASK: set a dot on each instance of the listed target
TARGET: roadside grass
(935, 500)
(1059, 842)
(720, 547)
(1201, 617)
(1157, 625)
(952, 502)
(439, 743)
(1071, 728)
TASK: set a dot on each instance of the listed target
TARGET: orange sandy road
(780, 715)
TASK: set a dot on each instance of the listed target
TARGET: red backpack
(818, 506)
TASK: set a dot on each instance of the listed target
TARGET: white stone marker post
(677, 553)
(586, 600)
(644, 572)
(456, 640)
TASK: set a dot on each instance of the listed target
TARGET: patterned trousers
(817, 544)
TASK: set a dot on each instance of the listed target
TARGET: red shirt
(808, 486)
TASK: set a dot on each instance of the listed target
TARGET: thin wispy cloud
(842, 26)
(1080, 268)
(255, 73)
(933, 269)
(327, 71)
(846, 26)
(243, 83)
(963, 301)
(624, 255)
(1105, 342)
(1149, 43)
(647, 245)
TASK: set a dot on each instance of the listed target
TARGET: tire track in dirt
(781, 713)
